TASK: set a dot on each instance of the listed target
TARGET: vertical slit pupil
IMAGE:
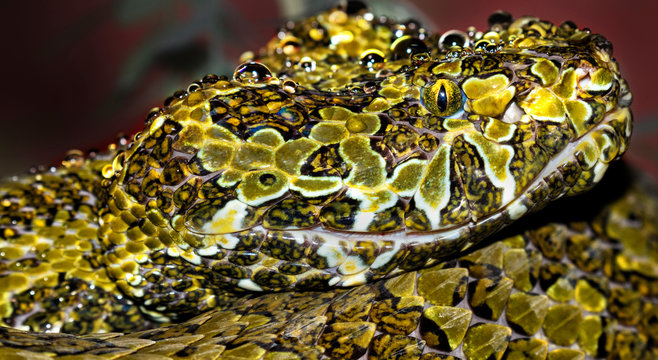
(442, 99)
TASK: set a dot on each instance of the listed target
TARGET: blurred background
(77, 73)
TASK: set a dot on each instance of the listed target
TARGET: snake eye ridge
(442, 98)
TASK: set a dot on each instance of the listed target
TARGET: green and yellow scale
(341, 196)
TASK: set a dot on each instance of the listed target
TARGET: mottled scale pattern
(343, 195)
(530, 293)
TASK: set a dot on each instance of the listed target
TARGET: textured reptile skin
(343, 196)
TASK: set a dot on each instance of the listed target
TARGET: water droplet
(420, 58)
(500, 17)
(481, 46)
(210, 79)
(492, 48)
(252, 73)
(247, 56)
(289, 86)
(73, 159)
(107, 171)
(168, 101)
(370, 87)
(383, 73)
(370, 58)
(337, 17)
(344, 36)
(452, 38)
(152, 114)
(289, 45)
(122, 139)
(406, 46)
(193, 87)
(454, 52)
(569, 26)
(354, 7)
(307, 64)
(317, 33)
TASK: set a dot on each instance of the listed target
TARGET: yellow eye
(442, 98)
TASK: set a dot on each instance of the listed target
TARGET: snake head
(362, 147)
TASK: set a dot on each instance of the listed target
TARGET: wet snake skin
(360, 188)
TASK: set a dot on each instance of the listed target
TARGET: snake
(360, 188)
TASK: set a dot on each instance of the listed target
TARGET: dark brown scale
(174, 172)
(428, 142)
(391, 219)
(290, 213)
(245, 258)
(185, 195)
(293, 268)
(211, 190)
(272, 279)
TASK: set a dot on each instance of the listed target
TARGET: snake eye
(442, 98)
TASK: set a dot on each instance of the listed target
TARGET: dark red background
(61, 62)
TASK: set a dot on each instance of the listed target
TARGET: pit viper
(359, 188)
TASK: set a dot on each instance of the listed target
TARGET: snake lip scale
(338, 197)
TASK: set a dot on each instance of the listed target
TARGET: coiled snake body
(341, 197)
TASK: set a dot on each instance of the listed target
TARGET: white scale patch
(354, 279)
(191, 257)
(135, 280)
(353, 264)
(300, 236)
(362, 220)
(599, 170)
(371, 203)
(141, 258)
(227, 219)
(332, 251)
(248, 284)
(516, 209)
(208, 251)
(138, 292)
(334, 280)
(227, 241)
(385, 257)
(173, 251)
